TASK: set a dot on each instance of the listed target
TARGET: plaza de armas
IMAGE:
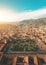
(22, 52)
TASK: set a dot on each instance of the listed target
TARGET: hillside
(41, 21)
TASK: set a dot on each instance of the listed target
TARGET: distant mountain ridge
(41, 21)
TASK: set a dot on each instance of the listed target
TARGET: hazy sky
(16, 10)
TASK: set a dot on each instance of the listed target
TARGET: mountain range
(41, 21)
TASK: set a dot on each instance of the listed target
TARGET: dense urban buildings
(22, 44)
(22, 32)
